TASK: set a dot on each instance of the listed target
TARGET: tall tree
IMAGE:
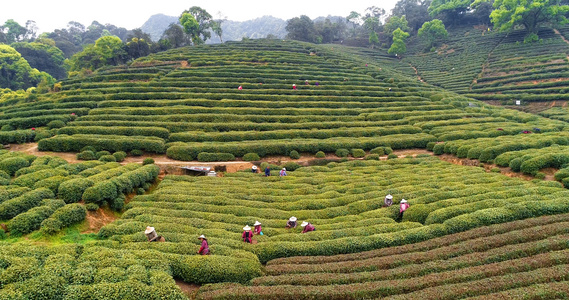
(393, 23)
(43, 56)
(398, 46)
(451, 11)
(529, 14)
(16, 73)
(174, 37)
(433, 31)
(301, 29)
(415, 12)
(14, 31)
(197, 22)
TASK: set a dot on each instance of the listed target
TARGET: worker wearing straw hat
(291, 223)
(254, 169)
(283, 172)
(204, 249)
(307, 227)
(403, 206)
(151, 234)
(388, 200)
(258, 229)
(247, 234)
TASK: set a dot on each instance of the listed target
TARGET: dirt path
(560, 35)
(99, 218)
(416, 73)
(188, 288)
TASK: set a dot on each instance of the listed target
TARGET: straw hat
(292, 219)
(148, 230)
(304, 224)
(257, 223)
(254, 167)
(246, 228)
(201, 237)
(403, 201)
(284, 169)
(389, 197)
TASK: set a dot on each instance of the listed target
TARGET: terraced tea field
(467, 233)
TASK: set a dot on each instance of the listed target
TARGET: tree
(529, 14)
(393, 23)
(216, 28)
(433, 31)
(301, 29)
(14, 32)
(398, 46)
(355, 18)
(107, 50)
(43, 56)
(373, 38)
(197, 23)
(174, 37)
(16, 73)
(451, 11)
(330, 31)
(415, 12)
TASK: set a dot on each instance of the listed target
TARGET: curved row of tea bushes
(112, 143)
(283, 147)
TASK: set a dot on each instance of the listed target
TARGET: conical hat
(246, 228)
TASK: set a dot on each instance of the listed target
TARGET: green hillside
(467, 233)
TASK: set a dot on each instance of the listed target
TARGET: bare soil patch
(99, 218)
(189, 289)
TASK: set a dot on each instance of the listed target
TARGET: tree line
(428, 20)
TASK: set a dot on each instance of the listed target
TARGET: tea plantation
(467, 234)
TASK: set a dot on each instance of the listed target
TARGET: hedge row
(63, 217)
(128, 131)
(74, 143)
(20, 204)
(283, 147)
(32, 219)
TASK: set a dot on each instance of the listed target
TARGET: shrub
(148, 161)
(55, 124)
(102, 153)
(392, 156)
(372, 157)
(205, 156)
(119, 155)
(92, 206)
(86, 155)
(291, 166)
(378, 150)
(179, 153)
(140, 191)
(540, 175)
(63, 217)
(495, 170)
(7, 127)
(342, 152)
(358, 153)
(118, 203)
(251, 156)
(18, 205)
(32, 219)
(320, 154)
(72, 190)
(294, 154)
(89, 148)
(100, 192)
(13, 164)
(136, 152)
(107, 158)
(215, 268)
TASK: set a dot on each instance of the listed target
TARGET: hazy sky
(130, 14)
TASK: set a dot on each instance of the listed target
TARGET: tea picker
(151, 235)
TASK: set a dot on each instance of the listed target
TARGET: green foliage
(320, 154)
(342, 152)
(215, 268)
(13, 164)
(148, 161)
(393, 23)
(107, 158)
(17, 73)
(291, 166)
(392, 156)
(136, 152)
(358, 153)
(251, 157)
(92, 206)
(205, 156)
(294, 154)
(119, 156)
(529, 14)
(86, 155)
(18, 205)
(398, 46)
(72, 190)
(432, 32)
(55, 124)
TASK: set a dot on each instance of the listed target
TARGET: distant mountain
(157, 24)
(232, 30)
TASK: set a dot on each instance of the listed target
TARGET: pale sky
(130, 14)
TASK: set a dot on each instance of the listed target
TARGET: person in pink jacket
(307, 227)
(247, 234)
(258, 229)
(403, 206)
(204, 249)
